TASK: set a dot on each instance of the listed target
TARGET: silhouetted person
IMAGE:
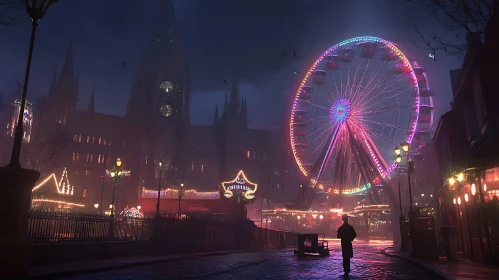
(347, 234)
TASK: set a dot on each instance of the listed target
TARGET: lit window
(91, 157)
(100, 140)
(192, 165)
(75, 138)
(147, 159)
(86, 172)
(88, 139)
(79, 139)
(202, 167)
(88, 156)
(104, 141)
(84, 192)
(98, 159)
(248, 154)
(77, 157)
(93, 140)
(74, 157)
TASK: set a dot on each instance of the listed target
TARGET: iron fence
(50, 226)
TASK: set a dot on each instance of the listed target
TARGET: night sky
(221, 39)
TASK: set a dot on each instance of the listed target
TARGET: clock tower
(159, 102)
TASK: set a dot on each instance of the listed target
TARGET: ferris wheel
(359, 100)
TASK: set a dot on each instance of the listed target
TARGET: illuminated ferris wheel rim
(366, 39)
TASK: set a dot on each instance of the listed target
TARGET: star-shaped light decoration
(240, 184)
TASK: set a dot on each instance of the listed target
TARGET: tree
(457, 18)
(6, 8)
(48, 140)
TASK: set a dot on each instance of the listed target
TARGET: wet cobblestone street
(368, 263)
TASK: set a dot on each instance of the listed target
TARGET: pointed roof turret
(226, 104)
(54, 81)
(245, 110)
(234, 97)
(67, 68)
(215, 118)
(91, 105)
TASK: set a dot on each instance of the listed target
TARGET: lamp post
(116, 174)
(398, 159)
(180, 192)
(460, 222)
(36, 10)
(470, 240)
(410, 166)
(159, 190)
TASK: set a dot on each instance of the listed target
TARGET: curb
(132, 264)
(436, 273)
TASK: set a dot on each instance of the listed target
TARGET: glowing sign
(241, 185)
(27, 120)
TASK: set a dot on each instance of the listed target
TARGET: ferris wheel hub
(341, 110)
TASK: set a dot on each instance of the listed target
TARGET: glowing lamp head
(460, 177)
(452, 181)
(96, 205)
(459, 200)
(466, 197)
(454, 200)
(298, 217)
(341, 110)
(398, 158)
(397, 151)
(160, 163)
(118, 162)
(110, 206)
(139, 207)
(321, 217)
(484, 187)
(473, 189)
(181, 185)
(405, 147)
(113, 174)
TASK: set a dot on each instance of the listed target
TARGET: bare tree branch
(6, 8)
(456, 18)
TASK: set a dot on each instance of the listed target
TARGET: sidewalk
(70, 269)
(443, 269)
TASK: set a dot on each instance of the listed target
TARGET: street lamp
(160, 163)
(398, 159)
(180, 191)
(116, 174)
(96, 205)
(36, 10)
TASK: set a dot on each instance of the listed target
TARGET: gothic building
(156, 129)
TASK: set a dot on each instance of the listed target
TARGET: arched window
(79, 138)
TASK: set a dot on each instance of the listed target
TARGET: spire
(91, 105)
(234, 97)
(67, 68)
(245, 110)
(226, 104)
(215, 118)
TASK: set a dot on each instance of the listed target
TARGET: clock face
(166, 86)
(166, 110)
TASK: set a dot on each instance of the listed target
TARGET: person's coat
(347, 234)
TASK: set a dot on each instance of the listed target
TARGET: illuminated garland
(63, 187)
(58, 202)
(173, 193)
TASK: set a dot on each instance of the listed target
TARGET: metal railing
(50, 226)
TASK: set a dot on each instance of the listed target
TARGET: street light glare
(397, 151)
(452, 181)
(398, 158)
(460, 177)
(118, 162)
(405, 147)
